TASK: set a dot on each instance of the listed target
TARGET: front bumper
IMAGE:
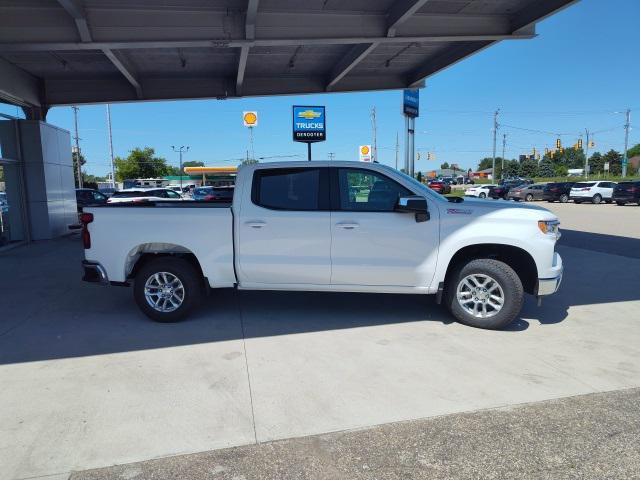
(550, 285)
(94, 273)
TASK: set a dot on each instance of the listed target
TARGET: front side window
(172, 194)
(368, 191)
(288, 189)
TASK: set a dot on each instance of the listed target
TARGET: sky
(580, 72)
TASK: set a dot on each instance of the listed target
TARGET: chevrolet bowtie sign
(308, 124)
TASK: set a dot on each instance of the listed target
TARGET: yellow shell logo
(364, 150)
(250, 118)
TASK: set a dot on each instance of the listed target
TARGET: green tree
(633, 151)
(75, 156)
(511, 168)
(142, 163)
(529, 168)
(569, 157)
(193, 163)
(545, 168)
(615, 162)
(419, 177)
(249, 161)
(560, 170)
(444, 166)
(596, 163)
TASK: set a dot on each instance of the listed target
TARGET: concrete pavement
(89, 382)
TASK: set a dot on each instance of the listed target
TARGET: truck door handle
(256, 224)
(348, 225)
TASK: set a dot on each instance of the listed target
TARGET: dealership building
(70, 52)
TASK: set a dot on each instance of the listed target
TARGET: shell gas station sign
(250, 119)
(364, 153)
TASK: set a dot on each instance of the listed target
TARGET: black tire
(482, 195)
(564, 198)
(622, 204)
(184, 271)
(597, 198)
(528, 198)
(504, 275)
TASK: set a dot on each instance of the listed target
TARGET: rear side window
(300, 189)
(584, 184)
(127, 194)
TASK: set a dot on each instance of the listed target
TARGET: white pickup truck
(328, 226)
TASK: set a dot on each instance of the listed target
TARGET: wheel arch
(146, 252)
(517, 258)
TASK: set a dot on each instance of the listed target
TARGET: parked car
(296, 226)
(594, 192)
(88, 197)
(480, 191)
(557, 191)
(627, 192)
(137, 195)
(440, 186)
(108, 191)
(528, 193)
(502, 190)
(213, 194)
(4, 204)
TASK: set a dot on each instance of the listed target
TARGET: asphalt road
(593, 436)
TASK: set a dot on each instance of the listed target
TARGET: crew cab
(305, 226)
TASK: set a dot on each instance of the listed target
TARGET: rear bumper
(94, 273)
(550, 285)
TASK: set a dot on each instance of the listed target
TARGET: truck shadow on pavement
(54, 318)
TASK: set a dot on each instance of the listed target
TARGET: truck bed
(122, 232)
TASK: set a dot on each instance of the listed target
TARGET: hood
(473, 207)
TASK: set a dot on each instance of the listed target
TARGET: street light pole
(77, 139)
(179, 151)
(113, 170)
(626, 143)
(495, 134)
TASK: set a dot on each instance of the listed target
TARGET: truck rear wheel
(484, 293)
(166, 289)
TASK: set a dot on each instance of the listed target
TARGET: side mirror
(414, 204)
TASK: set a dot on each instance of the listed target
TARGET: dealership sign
(309, 124)
(411, 102)
(364, 152)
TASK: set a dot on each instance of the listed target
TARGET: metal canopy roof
(56, 52)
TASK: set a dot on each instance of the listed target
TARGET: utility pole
(113, 170)
(374, 156)
(495, 134)
(77, 139)
(397, 148)
(504, 147)
(179, 151)
(627, 125)
(586, 153)
(332, 155)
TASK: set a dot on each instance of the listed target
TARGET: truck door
(371, 243)
(284, 232)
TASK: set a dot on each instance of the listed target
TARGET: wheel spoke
(480, 295)
(164, 292)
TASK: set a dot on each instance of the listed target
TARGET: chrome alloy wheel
(164, 292)
(480, 295)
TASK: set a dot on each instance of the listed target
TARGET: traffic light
(592, 144)
(418, 156)
(558, 144)
(579, 143)
(546, 150)
(429, 156)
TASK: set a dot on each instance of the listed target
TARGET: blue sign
(309, 124)
(411, 102)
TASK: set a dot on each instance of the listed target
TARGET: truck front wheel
(484, 293)
(167, 288)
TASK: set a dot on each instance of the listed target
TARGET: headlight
(549, 227)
